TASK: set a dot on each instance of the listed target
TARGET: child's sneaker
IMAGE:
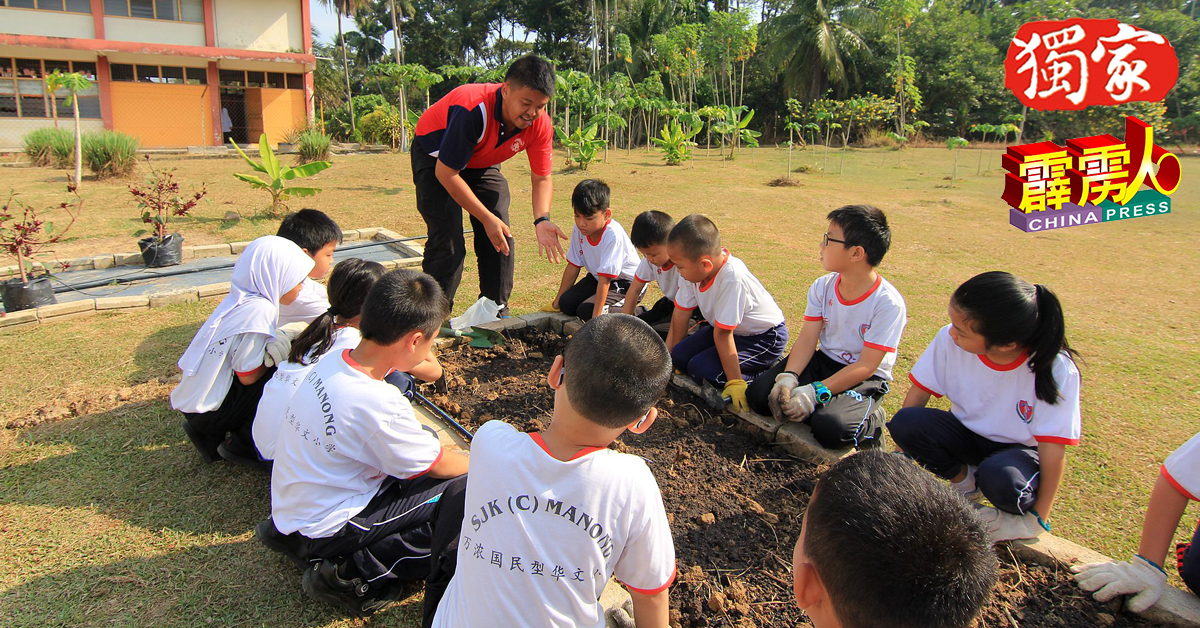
(322, 582)
(235, 451)
(206, 445)
(967, 488)
(276, 541)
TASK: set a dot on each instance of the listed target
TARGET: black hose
(143, 274)
(441, 414)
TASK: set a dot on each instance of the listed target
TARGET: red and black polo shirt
(465, 129)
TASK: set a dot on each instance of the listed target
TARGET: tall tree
(345, 8)
(899, 14)
(811, 44)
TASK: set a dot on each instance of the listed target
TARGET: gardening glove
(1138, 577)
(552, 307)
(800, 404)
(1004, 526)
(620, 616)
(735, 389)
(280, 346)
(785, 383)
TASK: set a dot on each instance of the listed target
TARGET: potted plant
(159, 199)
(22, 235)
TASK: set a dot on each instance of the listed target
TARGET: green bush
(62, 150)
(313, 145)
(382, 126)
(40, 145)
(338, 124)
(110, 153)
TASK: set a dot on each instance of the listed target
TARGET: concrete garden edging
(1176, 608)
(75, 309)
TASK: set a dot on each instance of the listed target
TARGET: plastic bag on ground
(482, 311)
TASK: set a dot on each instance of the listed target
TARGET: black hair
(616, 367)
(697, 235)
(1006, 309)
(896, 547)
(865, 226)
(310, 229)
(651, 228)
(349, 284)
(533, 72)
(400, 302)
(590, 196)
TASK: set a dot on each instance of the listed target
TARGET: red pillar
(104, 83)
(306, 38)
(214, 99)
(210, 24)
(98, 18)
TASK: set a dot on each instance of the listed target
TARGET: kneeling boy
(884, 544)
(551, 516)
(746, 334)
(357, 479)
(600, 245)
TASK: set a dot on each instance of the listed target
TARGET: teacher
(460, 143)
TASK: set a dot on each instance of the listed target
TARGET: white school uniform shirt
(1182, 468)
(666, 275)
(610, 254)
(312, 302)
(998, 402)
(283, 384)
(343, 434)
(541, 537)
(875, 319)
(205, 390)
(733, 299)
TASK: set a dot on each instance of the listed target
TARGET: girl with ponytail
(334, 330)
(1013, 385)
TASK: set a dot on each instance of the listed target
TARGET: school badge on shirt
(1025, 411)
(517, 145)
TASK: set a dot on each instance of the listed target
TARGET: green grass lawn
(109, 517)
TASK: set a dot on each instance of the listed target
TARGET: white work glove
(620, 616)
(801, 403)
(280, 346)
(1138, 577)
(1004, 526)
(782, 391)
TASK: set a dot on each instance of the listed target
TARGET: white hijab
(269, 268)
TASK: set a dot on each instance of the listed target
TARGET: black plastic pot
(165, 252)
(20, 295)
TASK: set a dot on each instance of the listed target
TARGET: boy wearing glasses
(857, 316)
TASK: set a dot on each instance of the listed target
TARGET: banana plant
(676, 141)
(954, 144)
(277, 174)
(582, 145)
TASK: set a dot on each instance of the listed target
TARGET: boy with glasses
(857, 316)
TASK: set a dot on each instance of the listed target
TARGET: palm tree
(643, 20)
(345, 8)
(811, 41)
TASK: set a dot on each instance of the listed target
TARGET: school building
(164, 71)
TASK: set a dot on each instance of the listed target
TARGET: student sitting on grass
(649, 237)
(551, 516)
(1005, 364)
(746, 333)
(357, 480)
(1143, 576)
(334, 331)
(318, 235)
(884, 544)
(599, 244)
(223, 370)
(857, 316)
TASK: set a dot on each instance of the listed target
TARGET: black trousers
(236, 414)
(446, 249)
(392, 536)
(847, 420)
(579, 300)
(1007, 472)
(447, 524)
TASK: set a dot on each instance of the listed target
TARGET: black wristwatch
(536, 221)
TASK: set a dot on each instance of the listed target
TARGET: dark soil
(734, 502)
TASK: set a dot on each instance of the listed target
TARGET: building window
(172, 10)
(70, 6)
(166, 74)
(276, 80)
(23, 89)
(295, 81)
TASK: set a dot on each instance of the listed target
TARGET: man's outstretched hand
(548, 235)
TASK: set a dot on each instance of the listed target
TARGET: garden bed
(735, 503)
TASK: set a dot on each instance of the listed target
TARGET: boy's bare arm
(1162, 517)
(631, 297)
(602, 285)
(727, 350)
(651, 611)
(916, 398)
(854, 374)
(451, 465)
(570, 274)
(429, 370)
(679, 323)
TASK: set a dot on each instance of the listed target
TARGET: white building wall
(267, 25)
(142, 30)
(47, 23)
